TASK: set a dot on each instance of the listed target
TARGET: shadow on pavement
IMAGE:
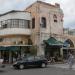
(2, 71)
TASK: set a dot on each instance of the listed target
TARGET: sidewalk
(64, 66)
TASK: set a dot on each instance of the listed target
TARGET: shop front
(11, 54)
(52, 48)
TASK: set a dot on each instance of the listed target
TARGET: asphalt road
(36, 71)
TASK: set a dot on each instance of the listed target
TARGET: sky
(66, 5)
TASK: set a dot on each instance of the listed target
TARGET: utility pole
(40, 33)
(50, 23)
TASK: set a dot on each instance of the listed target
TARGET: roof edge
(12, 11)
(56, 4)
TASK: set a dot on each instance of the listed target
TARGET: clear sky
(68, 7)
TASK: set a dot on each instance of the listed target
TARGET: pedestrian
(71, 60)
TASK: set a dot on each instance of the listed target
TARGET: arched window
(55, 18)
(69, 43)
(43, 22)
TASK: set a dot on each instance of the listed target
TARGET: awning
(53, 42)
(2, 48)
(11, 48)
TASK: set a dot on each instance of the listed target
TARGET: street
(50, 70)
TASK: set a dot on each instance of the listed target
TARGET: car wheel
(43, 65)
(21, 66)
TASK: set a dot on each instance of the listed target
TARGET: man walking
(71, 60)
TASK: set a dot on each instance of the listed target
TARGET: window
(24, 24)
(21, 23)
(33, 23)
(15, 23)
(55, 18)
(28, 23)
(5, 26)
(9, 22)
(29, 42)
(61, 18)
(20, 42)
(31, 58)
(43, 20)
(1, 39)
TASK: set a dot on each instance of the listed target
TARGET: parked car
(32, 61)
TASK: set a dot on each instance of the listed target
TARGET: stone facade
(15, 35)
(48, 21)
(15, 28)
(50, 12)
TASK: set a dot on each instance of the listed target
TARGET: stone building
(47, 29)
(47, 23)
(15, 33)
(40, 25)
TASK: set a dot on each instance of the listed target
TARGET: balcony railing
(15, 31)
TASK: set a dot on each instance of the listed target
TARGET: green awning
(52, 41)
(11, 48)
(2, 48)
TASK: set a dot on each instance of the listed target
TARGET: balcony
(15, 31)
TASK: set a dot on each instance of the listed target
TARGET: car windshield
(37, 58)
(30, 58)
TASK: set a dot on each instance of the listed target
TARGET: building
(69, 31)
(47, 23)
(39, 25)
(15, 33)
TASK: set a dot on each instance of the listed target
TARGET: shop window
(33, 23)
(43, 24)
